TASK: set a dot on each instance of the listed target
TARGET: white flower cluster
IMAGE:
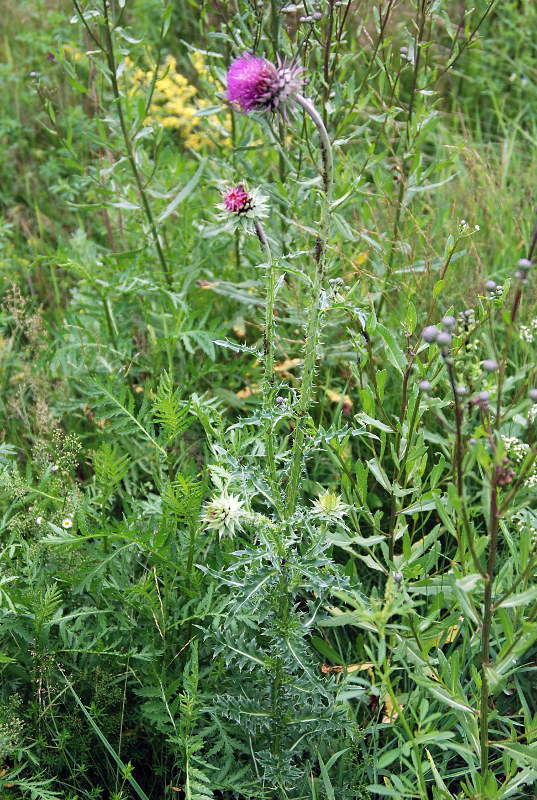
(527, 332)
(464, 228)
(517, 451)
(521, 522)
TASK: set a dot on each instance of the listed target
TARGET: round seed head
(461, 391)
(490, 286)
(424, 386)
(449, 322)
(430, 333)
(524, 264)
(489, 365)
(533, 395)
(443, 339)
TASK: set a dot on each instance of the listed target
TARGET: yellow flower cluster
(176, 102)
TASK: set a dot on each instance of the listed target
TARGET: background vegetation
(380, 641)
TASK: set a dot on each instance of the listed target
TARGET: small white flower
(223, 513)
(67, 523)
(39, 520)
(54, 467)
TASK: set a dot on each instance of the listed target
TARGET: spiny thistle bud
(330, 506)
(223, 514)
(256, 84)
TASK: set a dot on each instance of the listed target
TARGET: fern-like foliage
(183, 497)
(118, 407)
(197, 784)
(169, 411)
(110, 468)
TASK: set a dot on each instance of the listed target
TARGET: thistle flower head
(223, 513)
(237, 200)
(241, 204)
(329, 505)
(256, 84)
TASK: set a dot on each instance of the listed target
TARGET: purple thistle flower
(256, 84)
(241, 206)
(237, 200)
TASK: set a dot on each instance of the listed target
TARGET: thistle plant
(255, 84)
(185, 609)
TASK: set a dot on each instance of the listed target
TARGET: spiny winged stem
(268, 352)
(110, 57)
(312, 333)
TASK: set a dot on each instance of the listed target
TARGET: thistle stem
(312, 333)
(268, 352)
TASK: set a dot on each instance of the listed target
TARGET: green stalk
(109, 52)
(312, 334)
(488, 610)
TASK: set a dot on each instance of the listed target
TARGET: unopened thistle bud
(443, 339)
(524, 264)
(430, 333)
(223, 514)
(489, 365)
